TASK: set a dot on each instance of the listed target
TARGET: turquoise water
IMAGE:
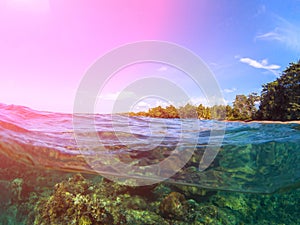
(57, 169)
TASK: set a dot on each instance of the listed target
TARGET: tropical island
(279, 101)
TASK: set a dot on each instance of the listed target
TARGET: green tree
(172, 112)
(240, 111)
(218, 112)
(252, 99)
(229, 112)
(280, 99)
(244, 107)
(201, 112)
(188, 111)
(158, 112)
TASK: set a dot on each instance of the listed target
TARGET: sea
(83, 169)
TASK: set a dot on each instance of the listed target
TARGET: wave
(252, 157)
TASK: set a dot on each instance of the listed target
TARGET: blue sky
(47, 46)
(264, 40)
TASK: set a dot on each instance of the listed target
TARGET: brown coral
(174, 206)
(72, 202)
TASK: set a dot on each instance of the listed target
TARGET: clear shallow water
(39, 156)
(252, 157)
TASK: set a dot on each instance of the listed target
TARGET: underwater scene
(58, 169)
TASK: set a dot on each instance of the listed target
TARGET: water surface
(252, 157)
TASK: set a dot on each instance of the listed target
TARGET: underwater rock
(135, 202)
(233, 201)
(162, 190)
(193, 192)
(5, 197)
(16, 189)
(174, 206)
(141, 217)
(74, 202)
(209, 214)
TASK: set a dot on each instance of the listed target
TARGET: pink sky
(46, 46)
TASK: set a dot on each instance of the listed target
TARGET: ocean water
(113, 169)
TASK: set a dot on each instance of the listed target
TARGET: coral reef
(75, 202)
(174, 205)
(30, 196)
(16, 187)
(99, 201)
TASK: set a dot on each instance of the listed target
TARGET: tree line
(279, 100)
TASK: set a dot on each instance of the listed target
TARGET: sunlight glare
(29, 5)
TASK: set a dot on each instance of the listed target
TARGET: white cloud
(163, 68)
(284, 32)
(263, 64)
(229, 90)
(213, 100)
(260, 65)
(146, 104)
(162, 103)
(198, 100)
(272, 35)
(141, 106)
(116, 95)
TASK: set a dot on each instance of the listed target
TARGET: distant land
(279, 101)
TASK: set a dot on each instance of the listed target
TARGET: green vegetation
(279, 100)
(243, 109)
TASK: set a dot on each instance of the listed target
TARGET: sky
(47, 46)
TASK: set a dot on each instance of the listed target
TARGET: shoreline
(236, 121)
(265, 121)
